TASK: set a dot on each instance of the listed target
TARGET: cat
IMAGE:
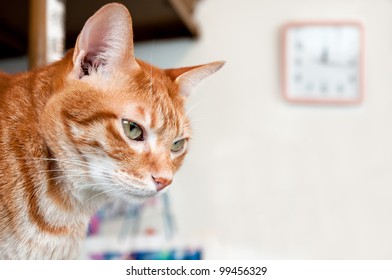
(99, 124)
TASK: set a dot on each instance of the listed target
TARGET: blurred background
(266, 177)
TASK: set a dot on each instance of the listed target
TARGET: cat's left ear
(105, 42)
(188, 77)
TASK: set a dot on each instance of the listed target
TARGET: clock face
(323, 62)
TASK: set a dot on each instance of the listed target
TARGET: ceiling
(152, 20)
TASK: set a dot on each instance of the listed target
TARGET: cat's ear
(105, 42)
(188, 77)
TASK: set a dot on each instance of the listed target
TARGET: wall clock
(323, 62)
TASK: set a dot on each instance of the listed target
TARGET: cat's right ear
(187, 78)
(105, 42)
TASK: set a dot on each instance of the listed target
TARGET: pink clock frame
(359, 98)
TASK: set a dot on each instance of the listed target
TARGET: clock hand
(325, 59)
(324, 56)
(341, 64)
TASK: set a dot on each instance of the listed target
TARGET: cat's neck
(48, 80)
(32, 89)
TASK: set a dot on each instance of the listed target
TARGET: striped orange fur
(97, 125)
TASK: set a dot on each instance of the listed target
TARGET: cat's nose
(161, 182)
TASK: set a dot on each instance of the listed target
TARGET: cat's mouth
(121, 185)
(133, 187)
(140, 192)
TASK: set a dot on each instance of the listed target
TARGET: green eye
(132, 130)
(178, 146)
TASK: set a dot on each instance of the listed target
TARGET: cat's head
(118, 126)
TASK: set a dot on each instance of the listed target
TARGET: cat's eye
(178, 146)
(132, 130)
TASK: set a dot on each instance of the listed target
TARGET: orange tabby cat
(98, 124)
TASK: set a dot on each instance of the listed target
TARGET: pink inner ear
(188, 77)
(105, 41)
(95, 43)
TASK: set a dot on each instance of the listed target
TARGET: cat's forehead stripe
(89, 119)
(140, 110)
(165, 119)
(137, 114)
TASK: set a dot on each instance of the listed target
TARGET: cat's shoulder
(9, 80)
(4, 81)
(8, 83)
(4, 77)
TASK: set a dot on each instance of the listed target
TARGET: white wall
(268, 179)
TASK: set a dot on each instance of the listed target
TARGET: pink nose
(161, 182)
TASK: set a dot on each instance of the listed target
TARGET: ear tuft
(188, 77)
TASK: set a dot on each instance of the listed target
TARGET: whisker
(60, 170)
(74, 162)
(187, 113)
(104, 160)
(76, 176)
(80, 187)
(104, 192)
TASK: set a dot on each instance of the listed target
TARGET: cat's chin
(138, 194)
(138, 199)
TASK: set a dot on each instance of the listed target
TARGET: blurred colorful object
(138, 232)
(187, 254)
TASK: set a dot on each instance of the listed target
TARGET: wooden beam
(37, 34)
(47, 32)
(184, 9)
